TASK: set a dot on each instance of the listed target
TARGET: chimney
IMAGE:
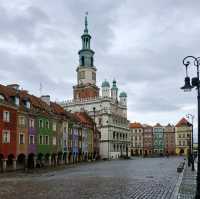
(46, 98)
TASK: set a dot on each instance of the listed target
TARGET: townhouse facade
(158, 135)
(183, 137)
(148, 139)
(161, 140)
(36, 132)
(169, 140)
(137, 135)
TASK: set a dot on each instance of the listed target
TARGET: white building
(110, 113)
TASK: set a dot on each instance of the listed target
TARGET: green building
(158, 137)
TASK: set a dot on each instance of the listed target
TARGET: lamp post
(191, 141)
(194, 61)
(94, 134)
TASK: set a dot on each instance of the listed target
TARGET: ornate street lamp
(194, 61)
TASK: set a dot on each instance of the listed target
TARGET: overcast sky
(139, 43)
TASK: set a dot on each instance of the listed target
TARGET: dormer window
(2, 97)
(17, 101)
(28, 105)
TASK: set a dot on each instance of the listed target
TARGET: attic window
(28, 105)
(17, 101)
(2, 97)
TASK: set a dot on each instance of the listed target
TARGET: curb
(178, 184)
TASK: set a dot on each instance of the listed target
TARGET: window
(93, 76)
(40, 140)
(46, 139)
(65, 143)
(31, 139)
(54, 126)
(92, 61)
(6, 137)
(28, 105)
(65, 130)
(40, 124)
(2, 97)
(82, 75)
(31, 123)
(6, 116)
(21, 138)
(82, 61)
(54, 140)
(21, 121)
(17, 101)
(47, 124)
(179, 143)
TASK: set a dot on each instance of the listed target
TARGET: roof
(183, 122)
(123, 94)
(37, 104)
(105, 83)
(158, 125)
(135, 125)
(146, 126)
(84, 119)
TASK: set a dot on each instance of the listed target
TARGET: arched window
(91, 61)
(82, 61)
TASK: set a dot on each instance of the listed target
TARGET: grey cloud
(23, 24)
(140, 43)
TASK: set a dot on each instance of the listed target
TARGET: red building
(148, 139)
(8, 131)
(169, 139)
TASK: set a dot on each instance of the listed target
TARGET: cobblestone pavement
(149, 178)
(188, 185)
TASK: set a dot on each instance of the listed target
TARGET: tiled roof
(183, 122)
(146, 126)
(84, 119)
(135, 125)
(37, 104)
(157, 125)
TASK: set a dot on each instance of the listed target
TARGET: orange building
(136, 138)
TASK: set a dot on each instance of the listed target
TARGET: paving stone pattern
(188, 185)
(148, 178)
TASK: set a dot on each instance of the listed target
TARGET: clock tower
(86, 71)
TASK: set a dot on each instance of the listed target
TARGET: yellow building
(183, 131)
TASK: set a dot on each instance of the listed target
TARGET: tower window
(82, 61)
(93, 76)
(82, 75)
(91, 61)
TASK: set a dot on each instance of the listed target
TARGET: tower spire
(86, 23)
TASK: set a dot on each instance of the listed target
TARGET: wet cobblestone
(188, 185)
(149, 178)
